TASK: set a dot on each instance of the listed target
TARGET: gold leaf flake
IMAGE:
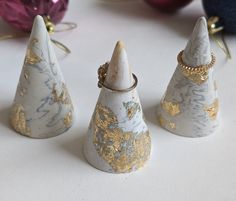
(198, 77)
(123, 151)
(68, 119)
(26, 74)
(62, 97)
(212, 109)
(18, 120)
(171, 108)
(131, 108)
(166, 124)
(31, 57)
(22, 91)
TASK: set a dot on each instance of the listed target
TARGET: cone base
(187, 135)
(109, 170)
(42, 137)
(23, 130)
(40, 128)
(166, 124)
(95, 160)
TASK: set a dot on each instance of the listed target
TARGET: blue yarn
(225, 10)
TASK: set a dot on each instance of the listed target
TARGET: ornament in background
(25, 11)
(42, 106)
(190, 105)
(118, 139)
(225, 10)
(168, 5)
(1, 5)
(21, 13)
(222, 17)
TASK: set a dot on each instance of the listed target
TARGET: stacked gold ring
(196, 69)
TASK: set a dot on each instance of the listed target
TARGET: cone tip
(197, 52)
(202, 19)
(39, 17)
(120, 45)
(119, 48)
(201, 22)
(38, 26)
(119, 74)
(39, 20)
(200, 27)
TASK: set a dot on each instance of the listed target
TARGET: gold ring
(199, 68)
(67, 26)
(102, 73)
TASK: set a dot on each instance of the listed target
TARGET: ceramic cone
(118, 140)
(42, 106)
(190, 105)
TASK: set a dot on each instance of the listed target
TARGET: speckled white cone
(190, 104)
(118, 139)
(42, 106)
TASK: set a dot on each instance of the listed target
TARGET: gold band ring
(196, 69)
(102, 73)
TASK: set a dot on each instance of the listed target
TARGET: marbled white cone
(190, 105)
(42, 106)
(118, 140)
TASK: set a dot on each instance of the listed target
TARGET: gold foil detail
(162, 121)
(170, 107)
(31, 57)
(68, 119)
(63, 97)
(197, 74)
(123, 151)
(22, 91)
(212, 109)
(166, 124)
(131, 108)
(196, 77)
(26, 74)
(18, 120)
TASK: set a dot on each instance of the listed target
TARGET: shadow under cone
(118, 139)
(190, 105)
(42, 106)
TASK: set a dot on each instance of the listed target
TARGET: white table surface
(180, 169)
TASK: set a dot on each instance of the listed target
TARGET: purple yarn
(225, 10)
